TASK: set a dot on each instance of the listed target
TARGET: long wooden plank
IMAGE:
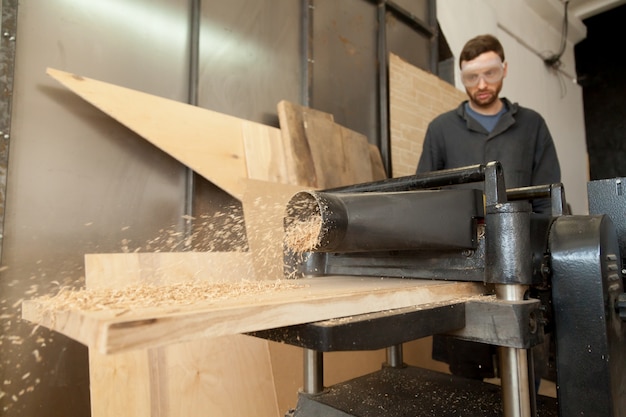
(314, 299)
(208, 142)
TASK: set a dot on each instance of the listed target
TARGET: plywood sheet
(416, 97)
(314, 299)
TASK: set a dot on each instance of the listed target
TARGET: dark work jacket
(520, 141)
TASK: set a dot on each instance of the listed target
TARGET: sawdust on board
(145, 295)
(224, 230)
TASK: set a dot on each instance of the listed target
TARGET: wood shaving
(143, 296)
(304, 235)
(220, 231)
(303, 224)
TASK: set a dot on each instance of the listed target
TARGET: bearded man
(488, 128)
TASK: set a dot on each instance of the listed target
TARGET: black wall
(601, 69)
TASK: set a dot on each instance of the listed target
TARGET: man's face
(482, 78)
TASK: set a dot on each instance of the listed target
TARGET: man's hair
(479, 45)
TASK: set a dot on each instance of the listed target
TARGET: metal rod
(441, 178)
(192, 98)
(306, 46)
(525, 193)
(555, 192)
(7, 66)
(194, 50)
(384, 143)
(515, 383)
(395, 356)
(313, 372)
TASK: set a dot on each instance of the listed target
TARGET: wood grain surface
(300, 164)
(208, 142)
(109, 331)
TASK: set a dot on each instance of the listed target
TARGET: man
(488, 128)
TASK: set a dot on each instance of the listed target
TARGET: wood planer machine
(553, 284)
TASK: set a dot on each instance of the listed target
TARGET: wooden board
(264, 206)
(187, 379)
(322, 298)
(326, 147)
(265, 156)
(356, 156)
(231, 375)
(208, 142)
(341, 156)
(300, 164)
(378, 169)
(163, 268)
(323, 154)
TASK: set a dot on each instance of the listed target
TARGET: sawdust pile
(147, 296)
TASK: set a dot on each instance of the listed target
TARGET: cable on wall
(551, 60)
(554, 61)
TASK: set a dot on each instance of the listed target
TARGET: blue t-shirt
(487, 121)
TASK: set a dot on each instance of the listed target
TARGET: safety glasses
(491, 72)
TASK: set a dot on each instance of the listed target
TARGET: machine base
(410, 392)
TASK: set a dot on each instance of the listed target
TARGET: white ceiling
(587, 8)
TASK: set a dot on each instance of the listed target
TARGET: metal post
(395, 356)
(515, 382)
(313, 372)
(195, 8)
(508, 265)
(7, 63)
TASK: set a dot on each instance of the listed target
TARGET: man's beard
(485, 102)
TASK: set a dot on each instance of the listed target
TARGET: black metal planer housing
(555, 279)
